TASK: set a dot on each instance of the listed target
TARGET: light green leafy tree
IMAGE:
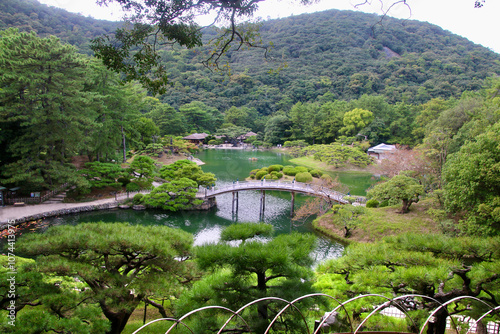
(356, 120)
(471, 180)
(348, 216)
(400, 188)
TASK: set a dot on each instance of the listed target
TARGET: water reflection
(206, 226)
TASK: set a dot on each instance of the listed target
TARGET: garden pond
(230, 165)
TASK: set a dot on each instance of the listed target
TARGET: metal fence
(390, 307)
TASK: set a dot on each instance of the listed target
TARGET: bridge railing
(275, 185)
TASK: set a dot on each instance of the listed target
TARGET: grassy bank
(380, 222)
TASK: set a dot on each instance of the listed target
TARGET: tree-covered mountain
(338, 55)
(327, 55)
(30, 15)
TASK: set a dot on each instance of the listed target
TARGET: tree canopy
(237, 274)
(400, 188)
(120, 264)
(436, 266)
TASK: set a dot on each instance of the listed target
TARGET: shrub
(303, 177)
(132, 186)
(260, 174)
(350, 199)
(278, 175)
(316, 173)
(372, 203)
(326, 177)
(289, 170)
(295, 143)
(301, 169)
(276, 168)
(137, 198)
(266, 169)
(215, 142)
(257, 143)
(383, 204)
(254, 171)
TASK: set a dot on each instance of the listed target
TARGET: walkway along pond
(206, 226)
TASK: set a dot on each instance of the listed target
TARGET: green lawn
(380, 222)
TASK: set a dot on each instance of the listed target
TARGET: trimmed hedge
(274, 168)
(316, 173)
(303, 177)
(372, 203)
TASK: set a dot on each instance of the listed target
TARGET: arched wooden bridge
(263, 185)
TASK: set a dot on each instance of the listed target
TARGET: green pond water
(230, 165)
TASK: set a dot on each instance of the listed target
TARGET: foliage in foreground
(436, 266)
(471, 179)
(238, 274)
(119, 265)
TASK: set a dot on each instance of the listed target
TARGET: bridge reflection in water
(263, 185)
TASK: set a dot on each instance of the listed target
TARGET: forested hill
(30, 15)
(328, 55)
(342, 54)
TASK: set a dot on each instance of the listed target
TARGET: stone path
(9, 213)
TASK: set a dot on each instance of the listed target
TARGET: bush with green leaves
(276, 168)
(295, 143)
(260, 174)
(372, 203)
(278, 175)
(301, 169)
(132, 187)
(289, 170)
(303, 177)
(123, 180)
(138, 198)
(350, 199)
(316, 173)
(257, 143)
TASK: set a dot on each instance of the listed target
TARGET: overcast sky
(481, 26)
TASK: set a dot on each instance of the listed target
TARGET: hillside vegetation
(327, 55)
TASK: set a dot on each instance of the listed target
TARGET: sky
(479, 25)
